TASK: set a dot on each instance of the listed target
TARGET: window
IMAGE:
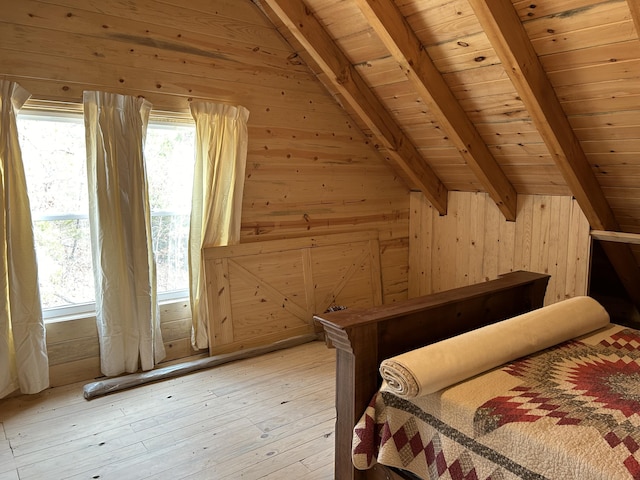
(169, 155)
(54, 155)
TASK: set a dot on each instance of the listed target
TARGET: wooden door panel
(261, 293)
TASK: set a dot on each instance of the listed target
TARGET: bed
(364, 338)
(556, 396)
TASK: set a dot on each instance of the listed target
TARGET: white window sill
(169, 298)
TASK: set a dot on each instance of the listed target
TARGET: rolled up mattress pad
(433, 367)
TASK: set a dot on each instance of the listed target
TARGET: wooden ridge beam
(509, 39)
(344, 77)
(396, 33)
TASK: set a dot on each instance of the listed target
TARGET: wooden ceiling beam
(508, 37)
(345, 78)
(397, 35)
(520, 61)
(620, 237)
(634, 6)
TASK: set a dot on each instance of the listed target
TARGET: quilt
(569, 412)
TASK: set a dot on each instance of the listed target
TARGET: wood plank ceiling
(500, 96)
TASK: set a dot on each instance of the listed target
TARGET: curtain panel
(127, 311)
(24, 363)
(218, 185)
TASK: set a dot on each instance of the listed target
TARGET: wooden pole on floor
(115, 384)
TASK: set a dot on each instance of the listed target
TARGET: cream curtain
(120, 222)
(218, 184)
(23, 352)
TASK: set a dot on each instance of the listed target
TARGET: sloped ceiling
(500, 96)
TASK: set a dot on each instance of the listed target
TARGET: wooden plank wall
(474, 243)
(310, 170)
(74, 352)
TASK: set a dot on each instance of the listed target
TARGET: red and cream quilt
(569, 412)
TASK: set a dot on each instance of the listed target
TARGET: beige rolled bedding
(434, 367)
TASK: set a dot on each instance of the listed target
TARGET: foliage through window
(169, 155)
(54, 156)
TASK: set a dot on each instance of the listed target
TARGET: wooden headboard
(260, 293)
(365, 337)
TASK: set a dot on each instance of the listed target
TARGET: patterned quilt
(569, 412)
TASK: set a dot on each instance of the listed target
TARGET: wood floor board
(160, 417)
(234, 461)
(33, 409)
(322, 473)
(206, 446)
(266, 386)
(7, 463)
(320, 460)
(275, 442)
(296, 470)
(258, 418)
(298, 447)
(293, 411)
(60, 467)
(170, 408)
(87, 452)
(202, 434)
(259, 375)
(269, 456)
(52, 452)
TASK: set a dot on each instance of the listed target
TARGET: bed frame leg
(355, 369)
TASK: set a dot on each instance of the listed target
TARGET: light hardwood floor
(269, 417)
